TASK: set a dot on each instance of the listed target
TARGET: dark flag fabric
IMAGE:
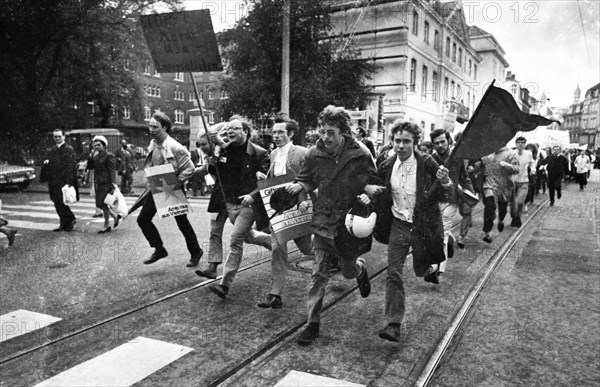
(496, 120)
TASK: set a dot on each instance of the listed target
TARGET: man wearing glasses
(164, 149)
(62, 170)
(238, 165)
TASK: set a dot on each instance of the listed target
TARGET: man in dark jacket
(341, 169)
(411, 218)
(125, 166)
(238, 165)
(557, 166)
(62, 170)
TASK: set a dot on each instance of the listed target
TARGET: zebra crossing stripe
(304, 379)
(21, 321)
(122, 366)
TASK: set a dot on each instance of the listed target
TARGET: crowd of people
(415, 187)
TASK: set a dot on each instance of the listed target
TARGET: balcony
(456, 109)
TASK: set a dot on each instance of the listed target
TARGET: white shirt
(582, 163)
(280, 161)
(404, 188)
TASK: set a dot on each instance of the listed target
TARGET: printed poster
(291, 224)
(169, 201)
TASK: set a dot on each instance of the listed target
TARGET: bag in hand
(69, 194)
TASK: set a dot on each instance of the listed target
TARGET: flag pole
(210, 143)
(464, 133)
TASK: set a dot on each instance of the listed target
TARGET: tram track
(230, 372)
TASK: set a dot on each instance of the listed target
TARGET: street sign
(357, 114)
(182, 41)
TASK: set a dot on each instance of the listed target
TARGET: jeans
(242, 219)
(516, 205)
(149, 230)
(325, 250)
(398, 248)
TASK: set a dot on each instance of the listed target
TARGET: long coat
(339, 181)
(427, 234)
(61, 170)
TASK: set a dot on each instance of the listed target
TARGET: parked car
(15, 175)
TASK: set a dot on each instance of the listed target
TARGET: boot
(210, 272)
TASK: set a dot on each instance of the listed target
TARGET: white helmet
(359, 226)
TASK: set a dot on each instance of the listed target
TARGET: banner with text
(290, 224)
(168, 200)
(182, 41)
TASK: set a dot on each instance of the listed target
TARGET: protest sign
(168, 200)
(182, 41)
(290, 224)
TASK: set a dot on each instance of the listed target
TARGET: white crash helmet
(360, 226)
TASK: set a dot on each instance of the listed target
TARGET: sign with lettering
(182, 41)
(169, 201)
(290, 224)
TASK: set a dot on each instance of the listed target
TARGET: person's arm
(111, 165)
(185, 167)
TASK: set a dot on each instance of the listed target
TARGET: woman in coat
(104, 165)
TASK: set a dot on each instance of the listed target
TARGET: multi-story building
(520, 94)
(430, 62)
(589, 131)
(572, 117)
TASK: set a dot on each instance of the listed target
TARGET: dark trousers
(126, 182)
(489, 212)
(582, 179)
(554, 185)
(64, 212)
(144, 220)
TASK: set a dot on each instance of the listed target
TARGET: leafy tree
(56, 56)
(322, 70)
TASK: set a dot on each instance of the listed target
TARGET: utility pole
(285, 60)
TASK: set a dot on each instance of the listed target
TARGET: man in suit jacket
(286, 159)
(61, 170)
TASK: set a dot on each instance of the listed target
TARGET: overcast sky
(543, 40)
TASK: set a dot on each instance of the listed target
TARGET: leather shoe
(431, 275)
(195, 260)
(220, 290)
(516, 223)
(11, 236)
(309, 334)
(460, 242)
(210, 272)
(159, 253)
(450, 246)
(70, 226)
(364, 284)
(116, 222)
(487, 238)
(391, 333)
(500, 226)
(105, 230)
(273, 301)
(60, 228)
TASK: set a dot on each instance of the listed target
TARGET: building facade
(583, 118)
(432, 66)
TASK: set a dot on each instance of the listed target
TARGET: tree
(323, 70)
(56, 56)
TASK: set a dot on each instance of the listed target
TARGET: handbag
(69, 194)
(116, 202)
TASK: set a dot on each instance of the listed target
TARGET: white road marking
(303, 379)
(21, 321)
(123, 366)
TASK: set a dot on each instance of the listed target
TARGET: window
(158, 91)
(179, 77)
(147, 113)
(513, 90)
(452, 89)
(146, 68)
(454, 52)
(446, 90)
(436, 40)
(424, 81)
(436, 86)
(191, 97)
(210, 95)
(475, 72)
(459, 94)
(179, 95)
(448, 47)
(494, 67)
(468, 99)
(415, 26)
(426, 32)
(413, 74)
(470, 65)
(460, 57)
(126, 112)
(179, 116)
